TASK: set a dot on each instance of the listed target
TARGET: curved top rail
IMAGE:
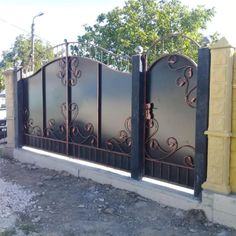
(171, 55)
(126, 57)
(87, 50)
(172, 36)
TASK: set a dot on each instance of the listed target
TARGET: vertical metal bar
(83, 153)
(120, 162)
(203, 78)
(50, 146)
(99, 104)
(73, 150)
(168, 172)
(161, 168)
(95, 53)
(187, 177)
(138, 119)
(44, 101)
(90, 154)
(152, 168)
(67, 84)
(102, 56)
(77, 151)
(20, 112)
(178, 174)
(108, 155)
(108, 59)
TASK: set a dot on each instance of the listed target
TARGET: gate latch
(149, 111)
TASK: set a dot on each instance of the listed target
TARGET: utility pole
(32, 40)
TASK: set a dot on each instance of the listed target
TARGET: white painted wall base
(218, 208)
(106, 175)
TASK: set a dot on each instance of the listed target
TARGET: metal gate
(78, 107)
(148, 122)
(171, 84)
(169, 117)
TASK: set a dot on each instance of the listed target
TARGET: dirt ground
(35, 201)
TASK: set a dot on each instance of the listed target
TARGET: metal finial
(139, 49)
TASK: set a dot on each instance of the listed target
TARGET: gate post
(20, 110)
(220, 124)
(203, 81)
(138, 116)
(11, 105)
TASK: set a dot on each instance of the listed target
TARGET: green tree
(20, 54)
(144, 22)
(2, 85)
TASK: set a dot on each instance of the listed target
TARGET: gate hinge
(149, 111)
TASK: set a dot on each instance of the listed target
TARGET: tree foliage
(143, 22)
(20, 55)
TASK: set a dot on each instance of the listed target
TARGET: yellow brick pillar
(233, 140)
(220, 109)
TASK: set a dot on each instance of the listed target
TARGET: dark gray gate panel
(170, 140)
(81, 108)
(33, 105)
(84, 120)
(116, 113)
(55, 97)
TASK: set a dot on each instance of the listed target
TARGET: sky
(64, 19)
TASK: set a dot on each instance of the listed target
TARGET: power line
(13, 25)
(22, 29)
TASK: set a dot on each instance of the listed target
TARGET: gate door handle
(149, 111)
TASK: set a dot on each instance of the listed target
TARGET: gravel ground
(35, 201)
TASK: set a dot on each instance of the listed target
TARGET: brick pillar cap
(8, 72)
(222, 43)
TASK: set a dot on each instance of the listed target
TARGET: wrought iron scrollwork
(84, 134)
(55, 130)
(62, 72)
(29, 126)
(152, 146)
(184, 80)
(75, 72)
(123, 142)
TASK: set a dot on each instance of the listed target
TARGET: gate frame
(139, 67)
(139, 63)
(201, 141)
